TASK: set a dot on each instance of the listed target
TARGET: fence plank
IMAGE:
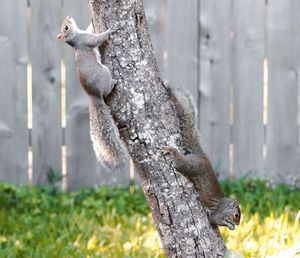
(283, 55)
(83, 170)
(156, 11)
(13, 95)
(215, 81)
(46, 91)
(248, 56)
(182, 45)
(173, 27)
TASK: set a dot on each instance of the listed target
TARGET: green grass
(104, 222)
(270, 218)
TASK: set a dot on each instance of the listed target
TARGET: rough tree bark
(147, 121)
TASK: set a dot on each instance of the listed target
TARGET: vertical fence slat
(215, 81)
(283, 57)
(83, 170)
(182, 45)
(248, 56)
(156, 12)
(13, 92)
(46, 88)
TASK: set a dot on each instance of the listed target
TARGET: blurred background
(239, 59)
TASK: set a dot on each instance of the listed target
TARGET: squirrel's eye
(66, 27)
(236, 215)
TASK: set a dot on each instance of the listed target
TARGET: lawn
(104, 222)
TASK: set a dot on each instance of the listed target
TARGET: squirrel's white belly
(94, 77)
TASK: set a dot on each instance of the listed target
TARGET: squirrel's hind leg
(185, 164)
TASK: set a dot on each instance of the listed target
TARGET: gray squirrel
(96, 80)
(192, 162)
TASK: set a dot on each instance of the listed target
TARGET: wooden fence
(239, 59)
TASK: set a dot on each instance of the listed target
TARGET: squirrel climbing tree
(96, 80)
(147, 120)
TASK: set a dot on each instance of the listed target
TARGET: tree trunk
(147, 121)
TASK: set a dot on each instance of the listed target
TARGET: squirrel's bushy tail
(107, 144)
(187, 114)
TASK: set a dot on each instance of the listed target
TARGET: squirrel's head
(227, 213)
(68, 30)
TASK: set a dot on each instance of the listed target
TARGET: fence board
(157, 19)
(283, 55)
(83, 170)
(248, 56)
(215, 81)
(13, 95)
(46, 91)
(182, 45)
(173, 28)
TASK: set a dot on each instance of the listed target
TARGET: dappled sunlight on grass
(137, 237)
(114, 222)
(257, 237)
(129, 237)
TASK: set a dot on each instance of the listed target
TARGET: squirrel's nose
(60, 36)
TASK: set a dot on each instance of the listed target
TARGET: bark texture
(147, 121)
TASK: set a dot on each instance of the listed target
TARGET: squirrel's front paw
(113, 29)
(166, 149)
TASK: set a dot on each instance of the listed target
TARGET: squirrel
(96, 80)
(193, 163)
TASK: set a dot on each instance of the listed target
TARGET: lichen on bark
(147, 120)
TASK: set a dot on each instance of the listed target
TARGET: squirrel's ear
(235, 203)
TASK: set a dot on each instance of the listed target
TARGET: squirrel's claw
(113, 29)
